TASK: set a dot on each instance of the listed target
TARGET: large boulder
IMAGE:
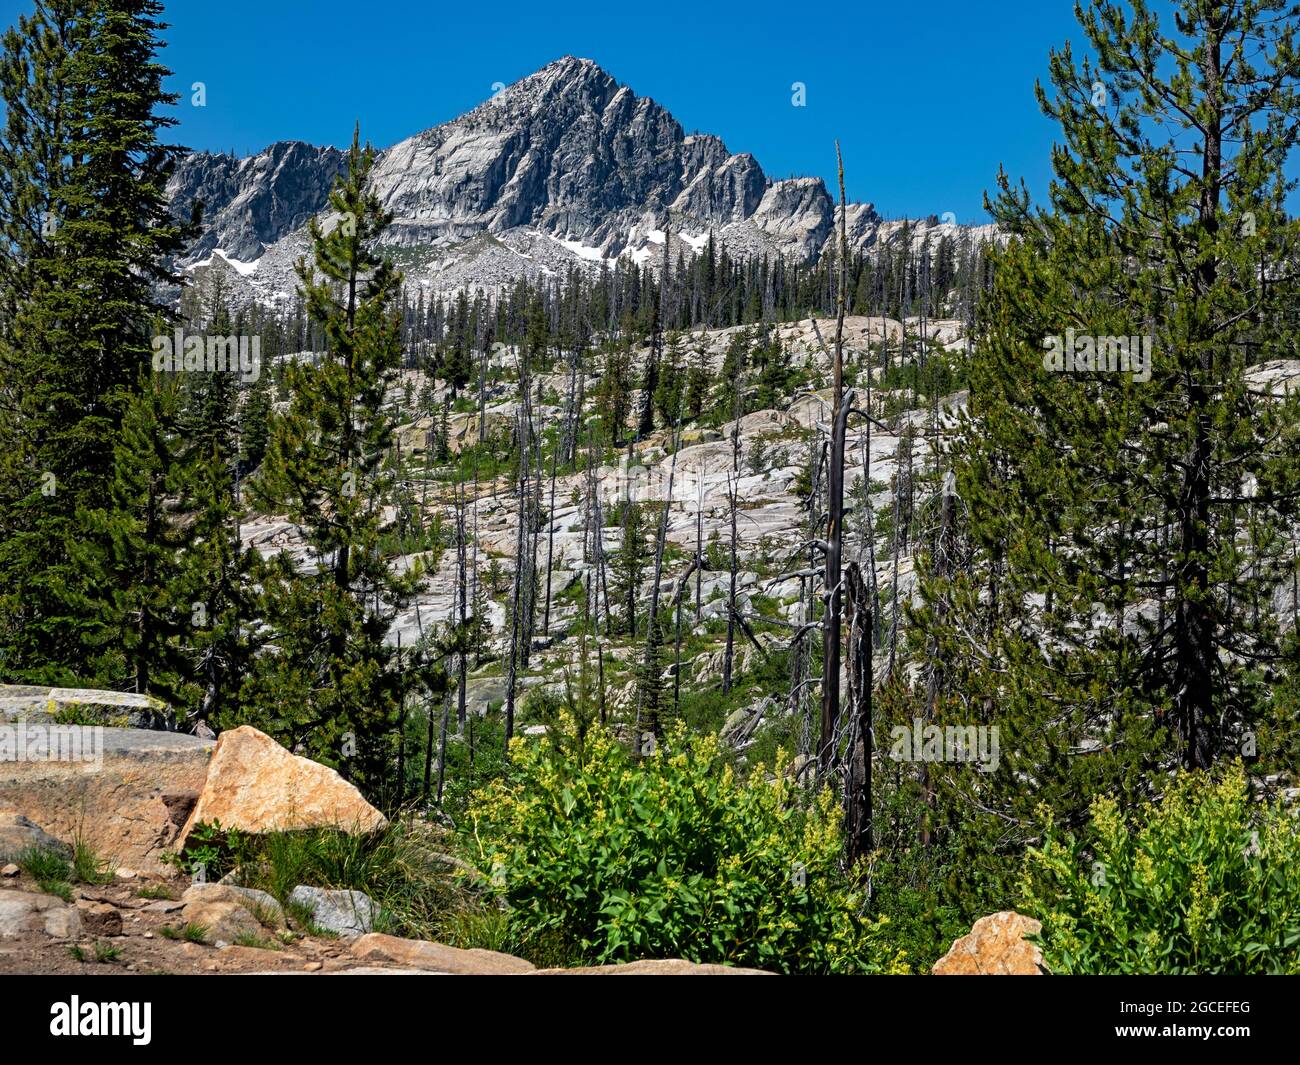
(99, 918)
(83, 706)
(19, 835)
(996, 946)
(260, 904)
(112, 794)
(436, 957)
(223, 922)
(255, 785)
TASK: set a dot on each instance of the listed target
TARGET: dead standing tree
(858, 785)
(861, 607)
(833, 545)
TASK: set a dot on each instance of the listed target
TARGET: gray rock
(346, 913)
(252, 202)
(18, 834)
(86, 706)
(23, 912)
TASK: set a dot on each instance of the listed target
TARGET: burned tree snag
(834, 513)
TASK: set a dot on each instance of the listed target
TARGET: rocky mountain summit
(251, 203)
(564, 168)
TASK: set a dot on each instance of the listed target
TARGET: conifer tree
(327, 683)
(87, 236)
(1101, 593)
(630, 564)
(131, 604)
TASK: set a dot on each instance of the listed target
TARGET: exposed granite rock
(252, 202)
(436, 957)
(255, 785)
(111, 795)
(996, 946)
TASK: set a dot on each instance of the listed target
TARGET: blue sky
(927, 98)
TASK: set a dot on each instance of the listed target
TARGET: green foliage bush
(609, 858)
(1201, 882)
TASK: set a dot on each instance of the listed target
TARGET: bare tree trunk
(428, 757)
(732, 480)
(835, 513)
(860, 609)
(1194, 643)
(600, 665)
(628, 504)
(462, 590)
(677, 645)
(731, 593)
(550, 543)
(699, 540)
(401, 727)
(516, 598)
(442, 744)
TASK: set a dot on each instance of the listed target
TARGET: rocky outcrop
(111, 795)
(996, 946)
(255, 785)
(227, 914)
(18, 835)
(252, 202)
(222, 922)
(259, 903)
(82, 706)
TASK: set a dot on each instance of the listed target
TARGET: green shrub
(59, 888)
(1202, 882)
(602, 857)
(107, 952)
(211, 851)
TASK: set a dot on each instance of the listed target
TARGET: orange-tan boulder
(996, 946)
(255, 785)
(379, 949)
(111, 788)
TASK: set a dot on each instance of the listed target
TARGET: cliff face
(249, 204)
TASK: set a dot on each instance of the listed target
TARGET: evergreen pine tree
(87, 234)
(1101, 591)
(327, 683)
